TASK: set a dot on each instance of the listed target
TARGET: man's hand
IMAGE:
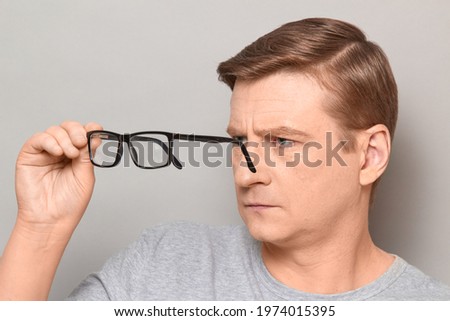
(54, 183)
(54, 177)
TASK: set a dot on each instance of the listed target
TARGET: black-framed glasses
(148, 149)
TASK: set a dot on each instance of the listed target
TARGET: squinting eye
(283, 142)
(240, 139)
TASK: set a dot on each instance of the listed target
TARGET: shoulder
(413, 284)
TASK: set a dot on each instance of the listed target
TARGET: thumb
(82, 165)
(83, 159)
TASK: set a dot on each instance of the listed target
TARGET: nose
(249, 167)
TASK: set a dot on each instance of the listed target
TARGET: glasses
(148, 150)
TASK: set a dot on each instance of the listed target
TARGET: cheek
(237, 158)
(338, 186)
(315, 184)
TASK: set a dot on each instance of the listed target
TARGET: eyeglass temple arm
(175, 161)
(219, 139)
(248, 159)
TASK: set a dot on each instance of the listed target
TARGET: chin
(268, 233)
(270, 226)
(275, 233)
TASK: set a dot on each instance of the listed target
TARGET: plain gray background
(150, 65)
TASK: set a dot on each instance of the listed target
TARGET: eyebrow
(282, 130)
(278, 131)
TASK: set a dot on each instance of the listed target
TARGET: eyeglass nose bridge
(119, 151)
(125, 138)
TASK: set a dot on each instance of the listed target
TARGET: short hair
(335, 53)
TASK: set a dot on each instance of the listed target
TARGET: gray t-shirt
(187, 261)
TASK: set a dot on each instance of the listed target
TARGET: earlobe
(375, 154)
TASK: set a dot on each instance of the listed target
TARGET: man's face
(297, 190)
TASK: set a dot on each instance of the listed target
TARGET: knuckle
(69, 123)
(37, 135)
(93, 125)
(72, 127)
(48, 140)
(52, 129)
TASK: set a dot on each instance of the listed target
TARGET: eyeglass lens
(150, 150)
(147, 150)
(104, 149)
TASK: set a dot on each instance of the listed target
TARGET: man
(315, 105)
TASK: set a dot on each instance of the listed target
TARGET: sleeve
(91, 289)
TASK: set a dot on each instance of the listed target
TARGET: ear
(374, 154)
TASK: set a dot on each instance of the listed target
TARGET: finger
(92, 126)
(64, 141)
(84, 152)
(43, 142)
(76, 132)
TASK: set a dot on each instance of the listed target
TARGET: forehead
(282, 99)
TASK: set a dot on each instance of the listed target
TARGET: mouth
(258, 206)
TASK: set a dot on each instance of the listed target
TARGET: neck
(340, 263)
